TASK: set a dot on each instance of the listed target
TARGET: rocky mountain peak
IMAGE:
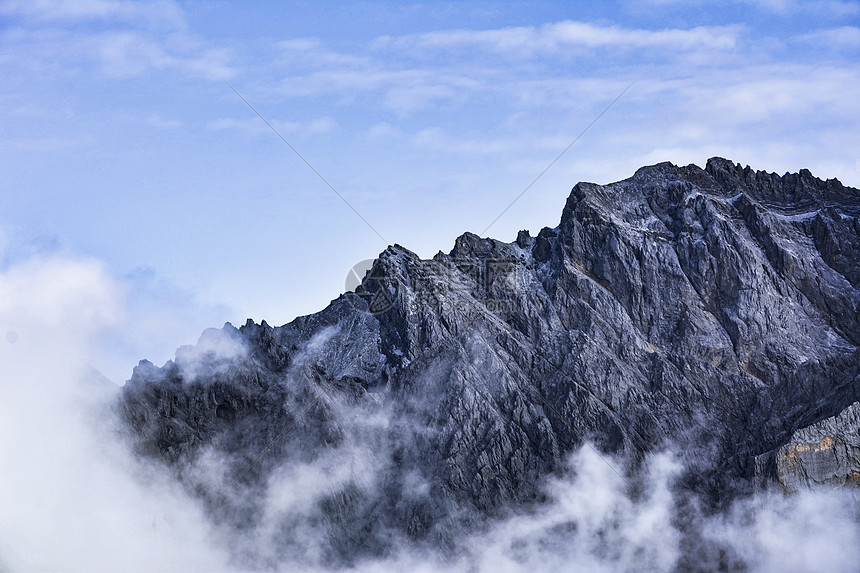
(714, 312)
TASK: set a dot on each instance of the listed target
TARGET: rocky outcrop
(715, 311)
(826, 453)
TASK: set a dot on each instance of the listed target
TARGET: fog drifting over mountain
(75, 499)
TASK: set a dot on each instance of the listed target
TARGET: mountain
(713, 313)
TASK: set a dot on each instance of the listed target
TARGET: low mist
(75, 498)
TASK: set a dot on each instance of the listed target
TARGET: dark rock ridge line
(716, 311)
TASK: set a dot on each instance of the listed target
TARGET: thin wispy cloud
(556, 37)
(829, 8)
(438, 140)
(728, 81)
(844, 37)
(153, 13)
(312, 52)
(160, 122)
(834, 8)
(120, 39)
(125, 54)
(254, 126)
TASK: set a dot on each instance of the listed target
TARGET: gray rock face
(716, 311)
(825, 453)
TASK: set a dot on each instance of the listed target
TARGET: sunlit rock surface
(714, 312)
(826, 453)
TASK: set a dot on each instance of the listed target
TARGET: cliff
(713, 312)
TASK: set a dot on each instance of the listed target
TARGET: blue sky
(121, 144)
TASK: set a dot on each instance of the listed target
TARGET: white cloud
(590, 522)
(811, 531)
(46, 144)
(528, 41)
(832, 8)
(42, 294)
(383, 130)
(158, 121)
(121, 46)
(214, 352)
(437, 81)
(310, 51)
(73, 498)
(845, 37)
(127, 54)
(255, 126)
(825, 8)
(159, 12)
(436, 139)
(403, 90)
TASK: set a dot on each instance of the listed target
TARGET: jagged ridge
(712, 310)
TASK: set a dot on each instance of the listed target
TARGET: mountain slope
(714, 312)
